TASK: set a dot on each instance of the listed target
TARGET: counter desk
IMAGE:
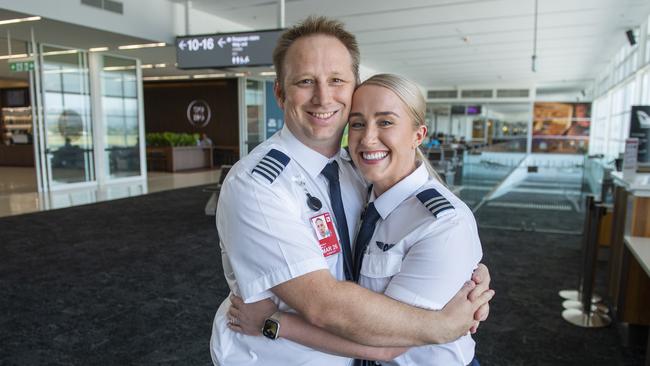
(629, 266)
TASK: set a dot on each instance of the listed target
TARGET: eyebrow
(387, 113)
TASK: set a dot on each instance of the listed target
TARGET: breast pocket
(381, 265)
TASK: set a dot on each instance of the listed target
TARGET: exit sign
(21, 66)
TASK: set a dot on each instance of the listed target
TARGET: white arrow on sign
(181, 45)
(221, 42)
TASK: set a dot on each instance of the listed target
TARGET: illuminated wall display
(226, 50)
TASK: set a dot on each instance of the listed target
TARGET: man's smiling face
(318, 87)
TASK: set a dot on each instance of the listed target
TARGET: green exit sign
(21, 66)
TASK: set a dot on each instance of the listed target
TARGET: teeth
(375, 155)
(323, 115)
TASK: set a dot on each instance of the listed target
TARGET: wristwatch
(271, 328)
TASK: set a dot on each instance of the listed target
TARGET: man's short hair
(314, 25)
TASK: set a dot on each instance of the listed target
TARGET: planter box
(173, 159)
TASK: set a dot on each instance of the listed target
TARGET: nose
(322, 94)
(368, 135)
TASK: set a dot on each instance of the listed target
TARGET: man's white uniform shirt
(267, 238)
(423, 259)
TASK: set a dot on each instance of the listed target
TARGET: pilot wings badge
(384, 246)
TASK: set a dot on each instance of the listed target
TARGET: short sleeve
(264, 236)
(436, 265)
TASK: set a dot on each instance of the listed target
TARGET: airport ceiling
(439, 43)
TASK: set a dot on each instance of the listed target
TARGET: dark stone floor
(137, 282)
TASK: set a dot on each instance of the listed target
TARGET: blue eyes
(312, 81)
(360, 125)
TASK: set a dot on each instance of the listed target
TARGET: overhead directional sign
(226, 50)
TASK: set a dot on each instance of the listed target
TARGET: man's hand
(481, 277)
(249, 318)
(459, 312)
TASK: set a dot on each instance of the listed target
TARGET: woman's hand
(249, 318)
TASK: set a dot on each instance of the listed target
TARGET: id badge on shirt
(324, 228)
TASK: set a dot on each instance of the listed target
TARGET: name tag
(324, 229)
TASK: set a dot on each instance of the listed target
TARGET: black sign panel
(640, 128)
(226, 50)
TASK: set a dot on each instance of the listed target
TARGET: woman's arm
(249, 319)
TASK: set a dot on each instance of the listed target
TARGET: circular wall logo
(199, 113)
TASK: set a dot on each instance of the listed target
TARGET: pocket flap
(381, 265)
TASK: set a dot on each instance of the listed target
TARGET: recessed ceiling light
(63, 52)
(118, 68)
(144, 45)
(19, 20)
(171, 77)
(8, 57)
(208, 76)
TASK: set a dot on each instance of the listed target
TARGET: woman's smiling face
(382, 136)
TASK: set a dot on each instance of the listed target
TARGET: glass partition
(119, 92)
(67, 119)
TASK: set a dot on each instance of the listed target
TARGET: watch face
(271, 328)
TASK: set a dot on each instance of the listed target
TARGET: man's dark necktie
(370, 218)
(331, 173)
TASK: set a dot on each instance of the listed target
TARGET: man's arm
(373, 319)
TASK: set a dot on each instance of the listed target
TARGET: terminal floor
(137, 282)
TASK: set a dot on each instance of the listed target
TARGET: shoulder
(271, 165)
(436, 201)
(265, 166)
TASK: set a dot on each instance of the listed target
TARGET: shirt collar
(310, 160)
(389, 200)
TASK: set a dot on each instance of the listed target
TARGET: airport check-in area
(120, 120)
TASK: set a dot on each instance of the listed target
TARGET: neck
(381, 187)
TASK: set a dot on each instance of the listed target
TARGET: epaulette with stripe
(271, 165)
(434, 201)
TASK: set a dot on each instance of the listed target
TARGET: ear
(278, 92)
(420, 134)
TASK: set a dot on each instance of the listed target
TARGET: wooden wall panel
(165, 108)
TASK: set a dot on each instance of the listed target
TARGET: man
(270, 248)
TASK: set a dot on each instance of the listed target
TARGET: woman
(417, 242)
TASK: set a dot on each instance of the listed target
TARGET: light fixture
(208, 76)
(8, 57)
(158, 66)
(171, 77)
(63, 52)
(118, 68)
(146, 66)
(19, 20)
(144, 45)
(267, 73)
(98, 49)
(240, 74)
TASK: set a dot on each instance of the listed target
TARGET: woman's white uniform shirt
(425, 246)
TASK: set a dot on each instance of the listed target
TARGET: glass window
(120, 112)
(67, 115)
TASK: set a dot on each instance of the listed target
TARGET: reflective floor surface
(18, 190)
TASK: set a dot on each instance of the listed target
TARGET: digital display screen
(227, 50)
(473, 110)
